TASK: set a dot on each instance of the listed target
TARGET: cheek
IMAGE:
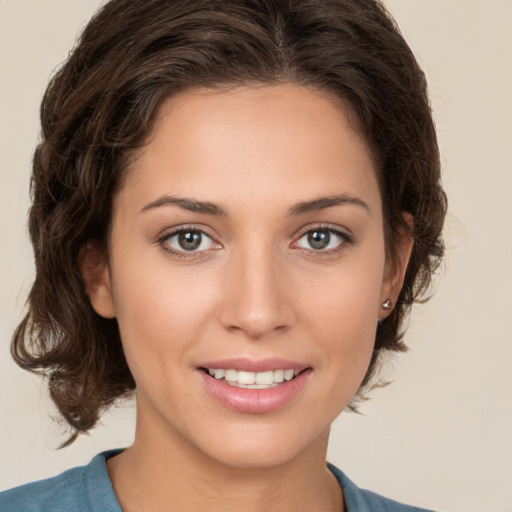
(345, 300)
(160, 312)
(341, 314)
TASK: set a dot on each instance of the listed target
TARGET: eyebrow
(191, 205)
(326, 202)
(301, 208)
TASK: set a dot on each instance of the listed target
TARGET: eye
(323, 239)
(187, 241)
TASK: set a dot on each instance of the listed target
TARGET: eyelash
(345, 240)
(163, 242)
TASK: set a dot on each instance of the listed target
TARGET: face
(246, 271)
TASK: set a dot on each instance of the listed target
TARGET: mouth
(253, 380)
(255, 386)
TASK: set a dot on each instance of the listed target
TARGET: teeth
(288, 374)
(246, 377)
(251, 386)
(253, 380)
(264, 378)
(231, 375)
(219, 374)
(279, 376)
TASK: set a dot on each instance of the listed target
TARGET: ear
(394, 273)
(94, 269)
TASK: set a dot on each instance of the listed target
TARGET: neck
(163, 471)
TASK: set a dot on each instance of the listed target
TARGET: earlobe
(395, 270)
(94, 270)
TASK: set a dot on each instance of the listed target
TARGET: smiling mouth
(252, 380)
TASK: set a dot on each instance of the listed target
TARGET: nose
(256, 299)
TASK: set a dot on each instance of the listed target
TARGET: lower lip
(255, 400)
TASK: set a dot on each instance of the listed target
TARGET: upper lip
(254, 365)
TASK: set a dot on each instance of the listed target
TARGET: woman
(235, 205)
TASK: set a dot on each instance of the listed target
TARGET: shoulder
(361, 500)
(86, 488)
(59, 493)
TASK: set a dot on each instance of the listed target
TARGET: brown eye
(189, 240)
(319, 239)
(324, 240)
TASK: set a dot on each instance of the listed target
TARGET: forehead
(267, 142)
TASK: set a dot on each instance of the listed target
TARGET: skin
(256, 288)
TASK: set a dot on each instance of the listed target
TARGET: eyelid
(162, 239)
(346, 239)
(345, 235)
(335, 228)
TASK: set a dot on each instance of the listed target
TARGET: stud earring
(387, 305)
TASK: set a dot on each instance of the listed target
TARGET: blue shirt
(88, 489)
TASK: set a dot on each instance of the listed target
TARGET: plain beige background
(441, 435)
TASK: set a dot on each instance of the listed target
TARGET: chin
(249, 457)
(264, 446)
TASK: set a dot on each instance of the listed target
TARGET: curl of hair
(99, 109)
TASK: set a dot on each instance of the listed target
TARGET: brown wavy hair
(100, 107)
